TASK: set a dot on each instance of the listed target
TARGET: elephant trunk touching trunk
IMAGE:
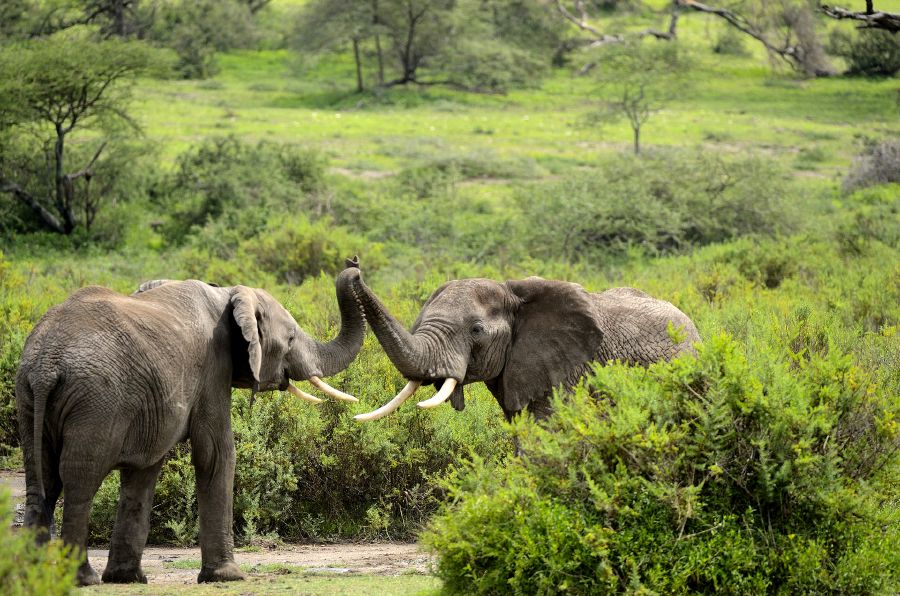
(336, 355)
(405, 350)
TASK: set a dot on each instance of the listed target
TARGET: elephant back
(636, 327)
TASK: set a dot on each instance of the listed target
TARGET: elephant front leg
(132, 525)
(214, 460)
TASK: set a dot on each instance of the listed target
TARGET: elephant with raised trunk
(521, 338)
(110, 381)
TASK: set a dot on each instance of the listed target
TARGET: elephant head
(268, 348)
(522, 338)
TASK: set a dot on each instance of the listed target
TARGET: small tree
(48, 89)
(329, 24)
(639, 77)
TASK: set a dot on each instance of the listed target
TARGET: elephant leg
(132, 525)
(79, 491)
(213, 454)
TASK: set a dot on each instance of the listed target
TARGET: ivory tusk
(329, 390)
(392, 405)
(441, 396)
(303, 395)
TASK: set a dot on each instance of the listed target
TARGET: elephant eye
(290, 340)
(477, 329)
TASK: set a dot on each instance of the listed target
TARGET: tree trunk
(380, 57)
(359, 73)
(119, 18)
(637, 140)
(63, 206)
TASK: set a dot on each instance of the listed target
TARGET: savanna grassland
(768, 463)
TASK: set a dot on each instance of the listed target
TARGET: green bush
(663, 203)
(868, 52)
(706, 474)
(26, 568)
(238, 186)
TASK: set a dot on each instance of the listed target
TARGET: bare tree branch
(786, 52)
(871, 19)
(600, 38)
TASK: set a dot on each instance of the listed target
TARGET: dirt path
(172, 565)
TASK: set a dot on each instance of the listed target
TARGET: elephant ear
(245, 310)
(556, 335)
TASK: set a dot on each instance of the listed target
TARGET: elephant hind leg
(132, 525)
(79, 487)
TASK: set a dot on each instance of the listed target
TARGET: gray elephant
(522, 338)
(110, 381)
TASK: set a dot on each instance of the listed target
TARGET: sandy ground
(159, 562)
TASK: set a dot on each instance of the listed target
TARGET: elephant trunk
(406, 351)
(337, 354)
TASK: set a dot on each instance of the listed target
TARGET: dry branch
(872, 20)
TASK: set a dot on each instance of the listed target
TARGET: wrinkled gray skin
(110, 381)
(524, 337)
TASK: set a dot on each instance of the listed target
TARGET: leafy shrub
(26, 568)
(665, 203)
(730, 43)
(868, 52)
(878, 163)
(244, 184)
(488, 65)
(871, 216)
(196, 30)
(700, 475)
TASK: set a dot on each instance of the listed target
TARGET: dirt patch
(169, 565)
(164, 564)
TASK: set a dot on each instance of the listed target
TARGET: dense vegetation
(762, 204)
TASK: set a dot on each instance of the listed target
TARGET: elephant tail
(40, 394)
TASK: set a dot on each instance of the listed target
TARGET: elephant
(522, 338)
(108, 381)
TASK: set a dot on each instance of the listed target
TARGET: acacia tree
(48, 89)
(636, 78)
(328, 25)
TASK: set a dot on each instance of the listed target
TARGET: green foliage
(26, 568)
(663, 203)
(469, 45)
(196, 30)
(730, 42)
(704, 474)
(52, 88)
(868, 52)
(228, 182)
(636, 79)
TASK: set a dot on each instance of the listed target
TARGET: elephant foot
(225, 572)
(87, 576)
(124, 575)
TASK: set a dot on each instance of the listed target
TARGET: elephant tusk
(329, 390)
(441, 396)
(303, 395)
(392, 405)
